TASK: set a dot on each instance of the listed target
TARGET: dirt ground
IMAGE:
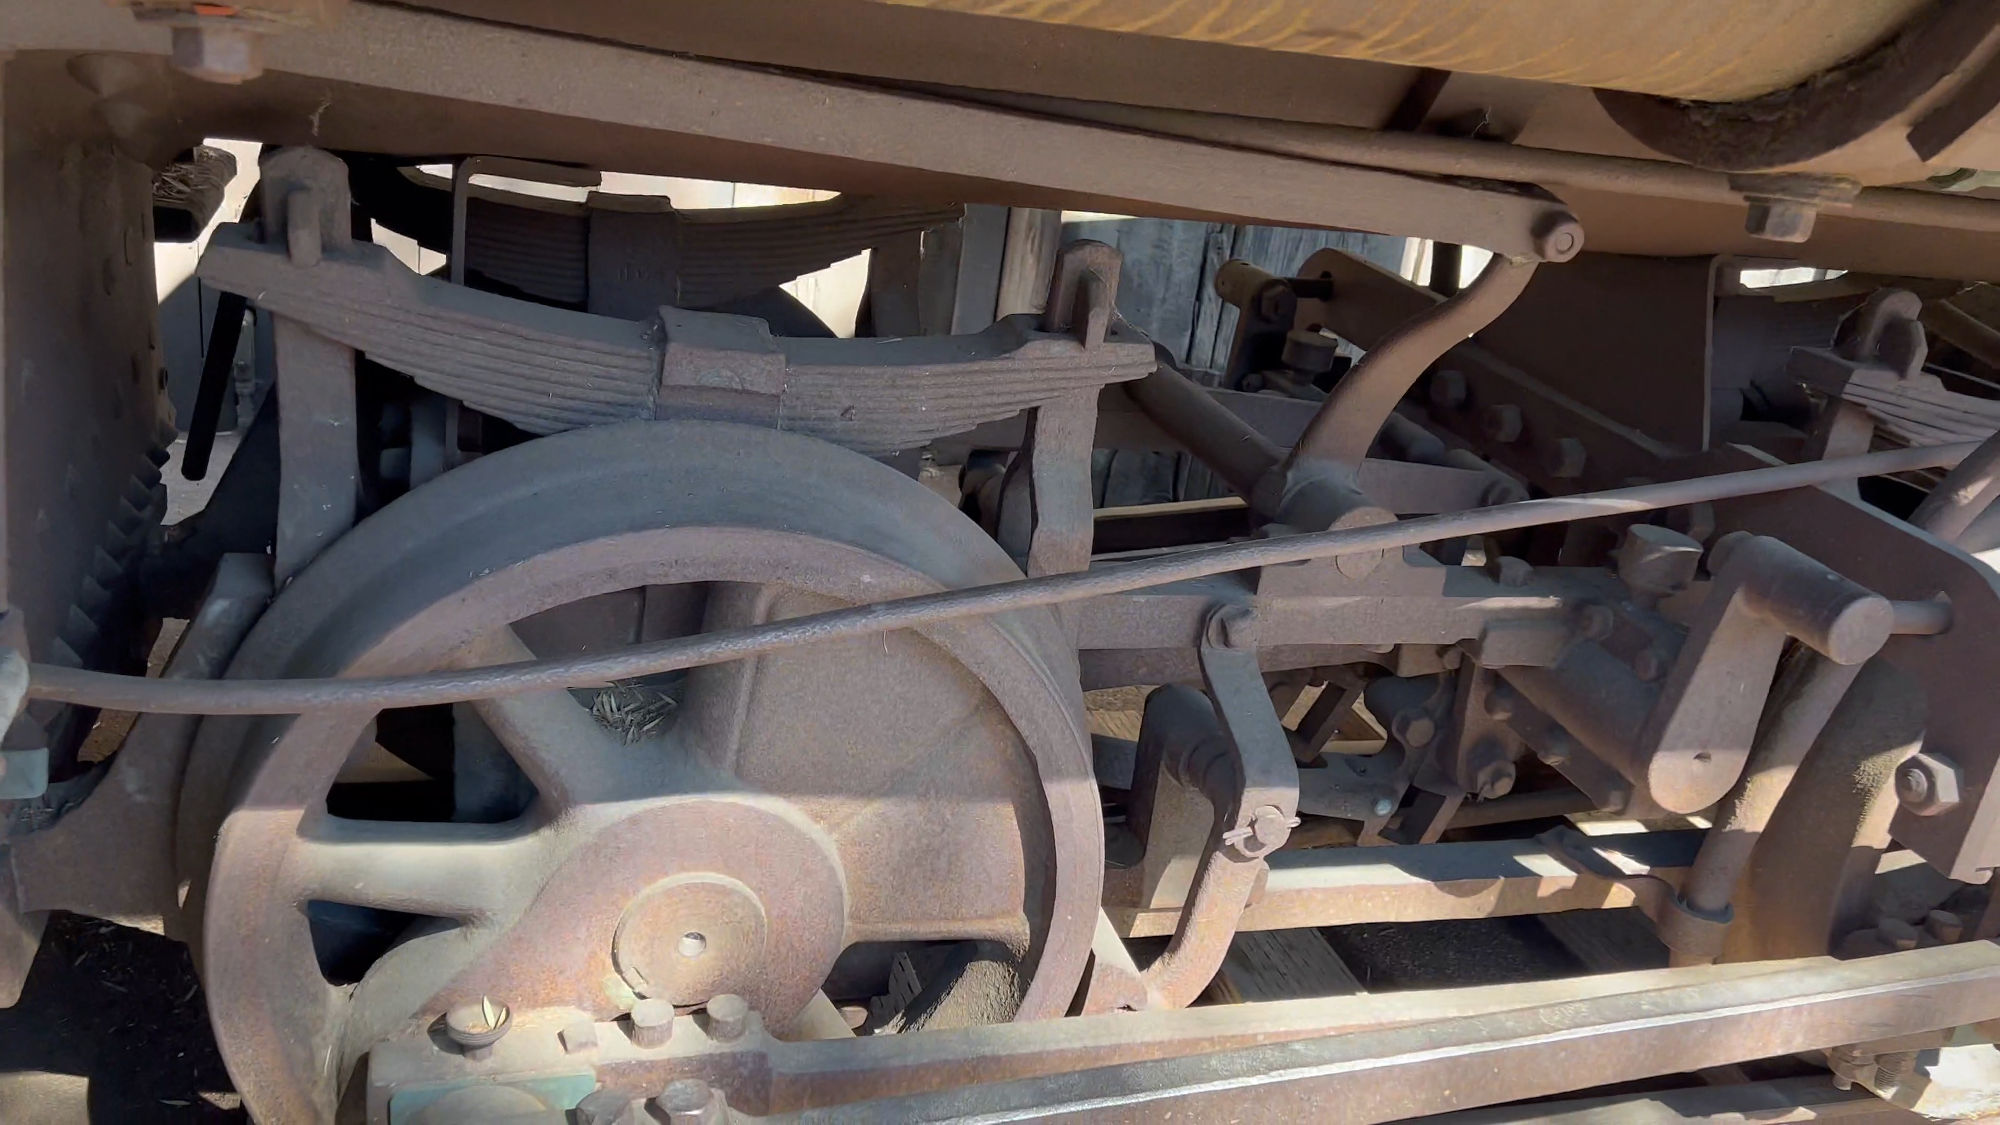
(112, 1029)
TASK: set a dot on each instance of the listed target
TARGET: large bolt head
(1929, 784)
(1656, 561)
(652, 1022)
(218, 50)
(728, 1017)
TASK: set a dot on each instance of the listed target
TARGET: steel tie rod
(114, 692)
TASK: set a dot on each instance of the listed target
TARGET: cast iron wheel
(894, 788)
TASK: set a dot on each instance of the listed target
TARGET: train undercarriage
(593, 689)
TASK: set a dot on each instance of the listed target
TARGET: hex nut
(1929, 784)
(1502, 422)
(1448, 390)
(605, 1107)
(1565, 459)
(728, 1017)
(218, 49)
(652, 1022)
(691, 1100)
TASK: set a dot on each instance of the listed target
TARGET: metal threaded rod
(285, 697)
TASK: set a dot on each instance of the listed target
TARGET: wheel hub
(690, 937)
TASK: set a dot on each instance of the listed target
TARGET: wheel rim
(758, 812)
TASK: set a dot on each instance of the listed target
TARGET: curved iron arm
(1353, 414)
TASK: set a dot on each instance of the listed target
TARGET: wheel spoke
(462, 871)
(566, 753)
(717, 703)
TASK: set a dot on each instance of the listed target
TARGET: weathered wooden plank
(1282, 965)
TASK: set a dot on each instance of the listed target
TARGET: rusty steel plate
(902, 787)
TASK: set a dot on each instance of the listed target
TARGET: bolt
(1448, 390)
(1565, 459)
(1270, 827)
(1847, 1063)
(1944, 926)
(578, 1037)
(728, 1017)
(218, 49)
(1384, 806)
(604, 1107)
(1558, 237)
(1893, 1067)
(1779, 220)
(1233, 626)
(1655, 561)
(1494, 779)
(691, 1100)
(476, 1027)
(1502, 703)
(1648, 664)
(652, 1022)
(1557, 748)
(1512, 572)
(1929, 784)
(1596, 621)
(1502, 422)
(693, 944)
(1414, 729)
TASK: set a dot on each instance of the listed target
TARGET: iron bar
(1433, 155)
(1690, 1022)
(283, 697)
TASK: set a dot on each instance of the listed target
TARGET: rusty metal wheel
(896, 788)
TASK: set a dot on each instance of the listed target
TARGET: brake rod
(110, 691)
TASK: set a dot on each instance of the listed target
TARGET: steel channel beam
(707, 117)
(1691, 1022)
(1429, 882)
